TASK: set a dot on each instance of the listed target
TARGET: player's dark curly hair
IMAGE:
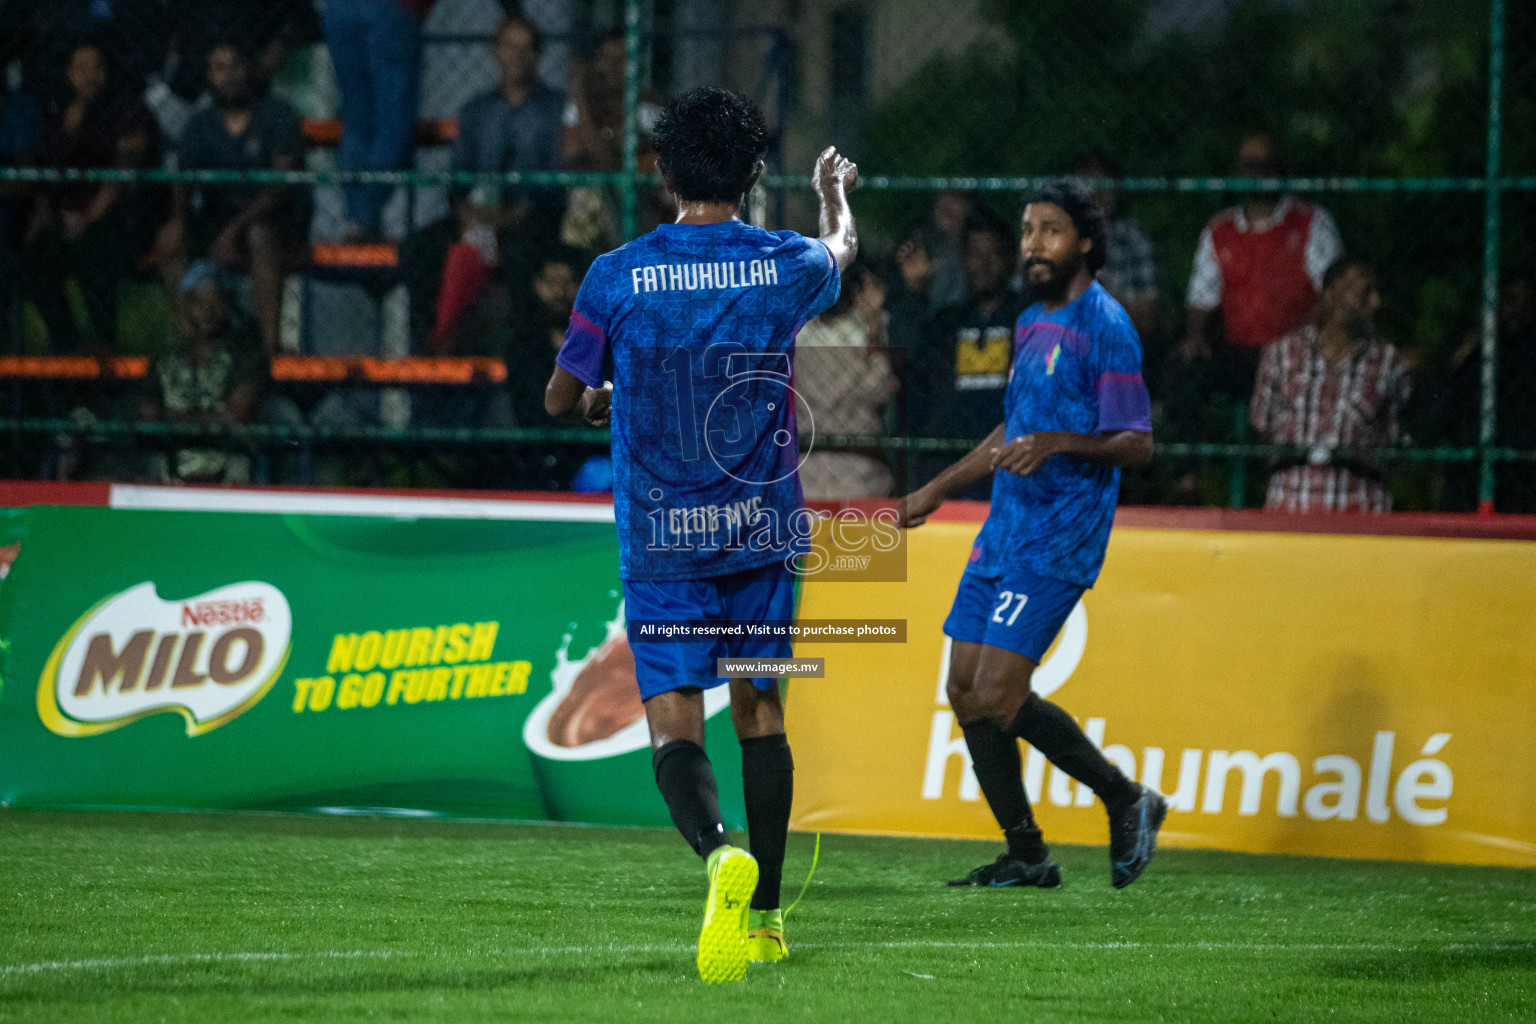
(708, 142)
(1075, 200)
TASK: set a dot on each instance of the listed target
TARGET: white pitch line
(1215, 947)
(190, 958)
(360, 954)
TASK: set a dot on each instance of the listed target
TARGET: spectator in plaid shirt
(1130, 268)
(1332, 384)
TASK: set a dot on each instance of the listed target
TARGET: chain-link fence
(196, 183)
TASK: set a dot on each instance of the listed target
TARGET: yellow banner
(1338, 696)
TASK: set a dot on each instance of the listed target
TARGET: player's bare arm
(835, 176)
(567, 399)
(914, 509)
(1120, 448)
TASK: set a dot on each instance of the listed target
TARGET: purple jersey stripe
(582, 354)
(1124, 403)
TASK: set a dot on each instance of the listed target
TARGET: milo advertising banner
(317, 662)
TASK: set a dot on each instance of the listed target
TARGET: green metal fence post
(629, 187)
(1237, 470)
(1491, 210)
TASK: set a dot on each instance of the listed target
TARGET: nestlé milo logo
(210, 658)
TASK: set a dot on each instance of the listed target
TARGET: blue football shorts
(1019, 611)
(752, 595)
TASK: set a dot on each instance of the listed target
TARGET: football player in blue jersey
(1075, 411)
(699, 319)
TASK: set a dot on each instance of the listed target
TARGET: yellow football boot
(765, 936)
(723, 939)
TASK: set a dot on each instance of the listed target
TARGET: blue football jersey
(700, 322)
(1077, 369)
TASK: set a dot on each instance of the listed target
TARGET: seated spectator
(1332, 384)
(131, 32)
(843, 382)
(515, 127)
(1257, 273)
(376, 49)
(80, 230)
(21, 141)
(249, 228)
(539, 318)
(213, 375)
(1130, 266)
(271, 31)
(524, 322)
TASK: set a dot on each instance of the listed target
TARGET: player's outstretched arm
(567, 399)
(915, 508)
(1024, 455)
(833, 179)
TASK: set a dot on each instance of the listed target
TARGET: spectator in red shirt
(1258, 271)
(1332, 385)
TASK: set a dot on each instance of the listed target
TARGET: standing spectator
(843, 380)
(960, 374)
(514, 127)
(1332, 384)
(1130, 265)
(79, 230)
(945, 235)
(1451, 401)
(212, 376)
(594, 141)
(1516, 422)
(255, 229)
(594, 114)
(907, 306)
(21, 142)
(956, 379)
(376, 50)
(1258, 271)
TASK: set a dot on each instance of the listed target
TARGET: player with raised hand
(699, 319)
(1075, 411)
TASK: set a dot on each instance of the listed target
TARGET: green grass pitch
(128, 917)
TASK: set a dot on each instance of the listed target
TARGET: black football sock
(1026, 843)
(687, 784)
(995, 760)
(1052, 731)
(768, 783)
